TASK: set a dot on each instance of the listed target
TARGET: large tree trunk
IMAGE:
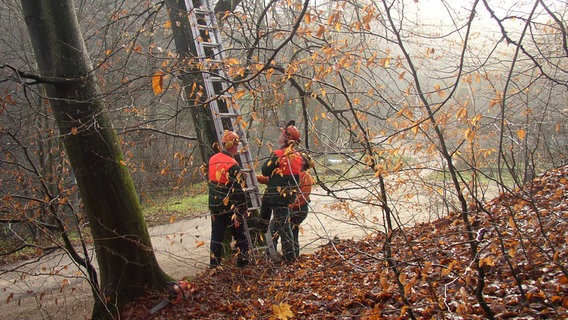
(127, 264)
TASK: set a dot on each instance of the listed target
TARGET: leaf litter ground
(521, 239)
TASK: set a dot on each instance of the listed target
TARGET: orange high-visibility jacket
(226, 182)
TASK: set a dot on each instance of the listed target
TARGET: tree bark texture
(191, 78)
(126, 260)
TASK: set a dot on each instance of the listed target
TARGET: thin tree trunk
(192, 79)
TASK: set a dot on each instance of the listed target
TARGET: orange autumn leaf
(320, 31)
(439, 91)
(282, 311)
(239, 94)
(158, 82)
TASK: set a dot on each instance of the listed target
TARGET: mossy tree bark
(126, 260)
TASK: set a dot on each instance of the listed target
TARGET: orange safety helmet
(230, 138)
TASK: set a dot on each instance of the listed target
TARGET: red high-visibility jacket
(283, 172)
(306, 183)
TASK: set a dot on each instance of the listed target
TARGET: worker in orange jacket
(227, 200)
(299, 209)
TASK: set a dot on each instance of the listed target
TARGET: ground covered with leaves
(511, 263)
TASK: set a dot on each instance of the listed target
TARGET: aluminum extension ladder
(225, 111)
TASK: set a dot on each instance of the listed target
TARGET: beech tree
(126, 261)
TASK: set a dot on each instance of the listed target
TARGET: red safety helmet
(292, 133)
(230, 138)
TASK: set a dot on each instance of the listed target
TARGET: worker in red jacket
(299, 209)
(227, 200)
(283, 171)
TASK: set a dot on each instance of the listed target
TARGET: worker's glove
(179, 290)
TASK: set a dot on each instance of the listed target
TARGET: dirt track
(56, 289)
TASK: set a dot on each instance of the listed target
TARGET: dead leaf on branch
(158, 82)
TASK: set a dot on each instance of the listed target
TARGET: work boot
(214, 263)
(242, 263)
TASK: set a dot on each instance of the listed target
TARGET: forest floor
(53, 287)
(343, 271)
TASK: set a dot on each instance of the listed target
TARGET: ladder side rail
(208, 45)
(208, 83)
(211, 36)
(211, 40)
(213, 105)
(216, 54)
(245, 156)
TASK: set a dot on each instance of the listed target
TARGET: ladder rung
(223, 98)
(210, 44)
(205, 27)
(215, 79)
(209, 56)
(214, 61)
(203, 11)
(212, 70)
(228, 114)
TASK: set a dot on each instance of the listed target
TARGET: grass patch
(20, 255)
(168, 209)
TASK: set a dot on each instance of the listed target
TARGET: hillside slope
(520, 240)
